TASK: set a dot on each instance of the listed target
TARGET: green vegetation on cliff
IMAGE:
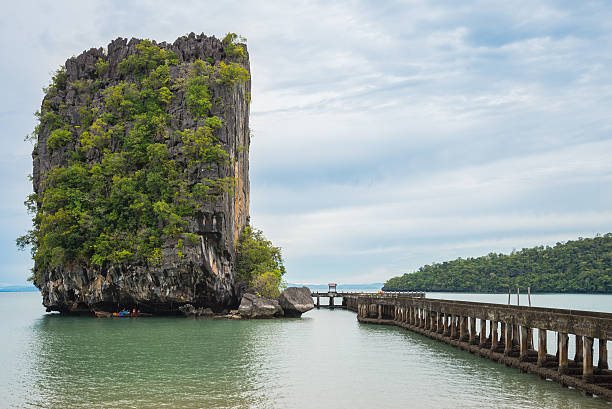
(122, 182)
(578, 266)
(259, 263)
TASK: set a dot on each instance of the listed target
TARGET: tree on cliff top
(259, 263)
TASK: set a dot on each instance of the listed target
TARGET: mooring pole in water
(529, 295)
(518, 296)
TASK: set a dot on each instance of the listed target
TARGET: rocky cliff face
(199, 271)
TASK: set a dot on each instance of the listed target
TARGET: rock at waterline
(254, 306)
(190, 311)
(295, 301)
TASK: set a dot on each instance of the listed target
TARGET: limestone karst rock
(188, 100)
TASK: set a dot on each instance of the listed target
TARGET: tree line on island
(575, 266)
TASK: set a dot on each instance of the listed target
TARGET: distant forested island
(576, 266)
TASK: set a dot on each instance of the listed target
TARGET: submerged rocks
(296, 300)
(255, 306)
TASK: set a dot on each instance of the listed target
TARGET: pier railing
(332, 295)
(510, 335)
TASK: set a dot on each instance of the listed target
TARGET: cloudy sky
(387, 135)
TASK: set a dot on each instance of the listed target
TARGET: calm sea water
(324, 359)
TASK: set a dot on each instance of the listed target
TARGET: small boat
(121, 314)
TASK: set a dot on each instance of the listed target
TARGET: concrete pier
(455, 323)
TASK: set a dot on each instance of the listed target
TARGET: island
(575, 266)
(141, 182)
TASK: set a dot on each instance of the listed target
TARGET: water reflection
(83, 362)
(324, 359)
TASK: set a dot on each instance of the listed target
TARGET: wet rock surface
(295, 301)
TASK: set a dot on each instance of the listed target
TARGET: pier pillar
(318, 302)
(483, 332)
(453, 327)
(578, 356)
(502, 338)
(462, 328)
(508, 339)
(445, 328)
(494, 337)
(515, 334)
(431, 321)
(438, 322)
(379, 310)
(472, 330)
(331, 302)
(529, 338)
(562, 352)
(542, 354)
(524, 342)
(603, 354)
(587, 359)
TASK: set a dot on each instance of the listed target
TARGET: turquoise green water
(325, 359)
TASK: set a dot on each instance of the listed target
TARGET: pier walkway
(332, 294)
(504, 333)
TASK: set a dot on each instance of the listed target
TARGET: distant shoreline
(18, 289)
(498, 293)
